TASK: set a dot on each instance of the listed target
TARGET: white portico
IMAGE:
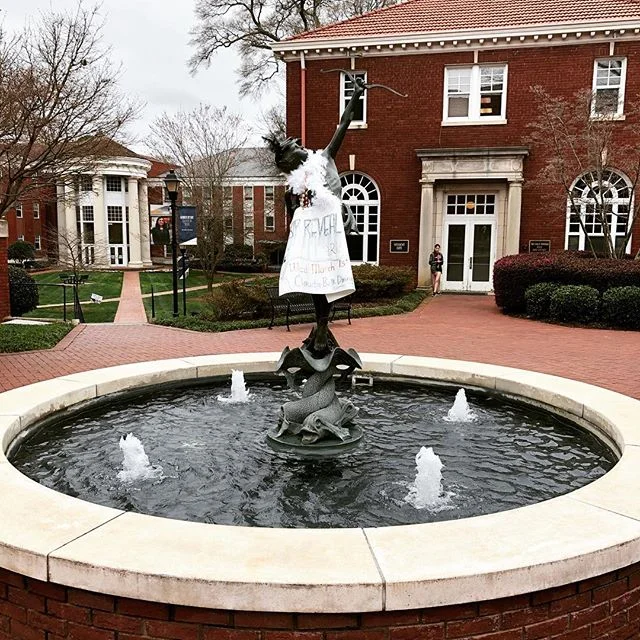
(471, 206)
(108, 213)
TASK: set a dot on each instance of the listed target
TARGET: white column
(145, 241)
(135, 235)
(426, 233)
(514, 209)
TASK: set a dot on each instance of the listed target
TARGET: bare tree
(591, 165)
(252, 26)
(204, 142)
(59, 105)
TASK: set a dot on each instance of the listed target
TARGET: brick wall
(602, 608)
(4, 270)
(386, 150)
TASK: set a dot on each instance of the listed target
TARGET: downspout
(303, 99)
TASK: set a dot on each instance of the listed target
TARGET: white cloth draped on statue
(317, 258)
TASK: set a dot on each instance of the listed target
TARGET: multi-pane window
(85, 183)
(85, 227)
(19, 210)
(248, 215)
(361, 196)
(37, 243)
(114, 214)
(346, 91)
(36, 210)
(476, 94)
(269, 209)
(481, 204)
(608, 87)
(598, 201)
(114, 183)
(227, 213)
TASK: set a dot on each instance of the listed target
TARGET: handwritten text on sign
(317, 259)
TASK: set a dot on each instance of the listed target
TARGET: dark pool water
(218, 468)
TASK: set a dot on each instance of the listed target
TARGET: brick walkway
(131, 309)
(459, 327)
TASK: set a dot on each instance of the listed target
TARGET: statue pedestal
(289, 443)
(318, 423)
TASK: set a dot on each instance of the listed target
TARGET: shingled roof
(432, 16)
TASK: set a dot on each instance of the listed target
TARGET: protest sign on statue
(317, 258)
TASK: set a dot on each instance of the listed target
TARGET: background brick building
(451, 162)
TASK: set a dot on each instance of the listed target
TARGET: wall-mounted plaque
(398, 246)
(539, 246)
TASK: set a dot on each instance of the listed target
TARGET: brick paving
(130, 309)
(450, 326)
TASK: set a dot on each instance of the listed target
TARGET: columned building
(107, 212)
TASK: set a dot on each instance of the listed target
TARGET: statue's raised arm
(359, 87)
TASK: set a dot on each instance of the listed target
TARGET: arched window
(360, 193)
(594, 198)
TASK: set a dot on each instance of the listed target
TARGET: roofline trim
(591, 29)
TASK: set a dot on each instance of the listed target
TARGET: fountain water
(426, 490)
(136, 465)
(460, 411)
(239, 391)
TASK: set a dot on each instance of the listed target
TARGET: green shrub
(20, 337)
(375, 282)
(621, 307)
(575, 303)
(23, 291)
(512, 275)
(21, 251)
(240, 258)
(236, 301)
(538, 298)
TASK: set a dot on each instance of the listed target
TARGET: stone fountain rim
(596, 529)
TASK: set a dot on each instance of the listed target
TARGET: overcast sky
(151, 40)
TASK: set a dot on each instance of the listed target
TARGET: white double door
(469, 253)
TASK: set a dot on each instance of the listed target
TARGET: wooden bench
(299, 304)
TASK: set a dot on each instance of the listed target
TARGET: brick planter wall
(4, 270)
(602, 608)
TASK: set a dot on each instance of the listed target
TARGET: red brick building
(450, 163)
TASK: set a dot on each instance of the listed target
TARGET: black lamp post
(172, 183)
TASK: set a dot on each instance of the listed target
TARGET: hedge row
(617, 307)
(513, 275)
(238, 301)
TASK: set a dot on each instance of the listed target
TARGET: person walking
(436, 260)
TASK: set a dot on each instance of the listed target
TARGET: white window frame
(474, 117)
(85, 183)
(361, 184)
(354, 124)
(36, 211)
(21, 237)
(113, 179)
(583, 202)
(37, 243)
(619, 113)
(19, 213)
(270, 209)
(248, 214)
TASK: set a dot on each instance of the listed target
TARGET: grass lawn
(104, 312)
(164, 304)
(163, 281)
(105, 283)
(20, 337)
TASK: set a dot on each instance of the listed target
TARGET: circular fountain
(475, 573)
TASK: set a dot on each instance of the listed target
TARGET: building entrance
(469, 242)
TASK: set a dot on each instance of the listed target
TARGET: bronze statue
(317, 262)
(289, 156)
